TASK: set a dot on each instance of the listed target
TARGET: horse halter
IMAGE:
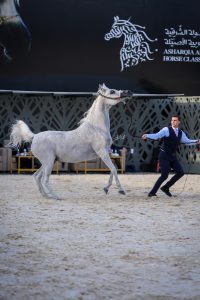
(117, 98)
(4, 19)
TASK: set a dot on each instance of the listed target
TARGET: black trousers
(168, 162)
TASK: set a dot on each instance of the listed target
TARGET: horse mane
(130, 28)
(88, 115)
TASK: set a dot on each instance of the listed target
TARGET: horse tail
(20, 132)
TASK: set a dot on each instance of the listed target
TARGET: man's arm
(156, 136)
(185, 140)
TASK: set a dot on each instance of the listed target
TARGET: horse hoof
(105, 190)
(122, 192)
(54, 197)
(57, 197)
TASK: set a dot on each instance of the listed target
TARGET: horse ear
(102, 87)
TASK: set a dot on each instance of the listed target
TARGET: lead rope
(187, 174)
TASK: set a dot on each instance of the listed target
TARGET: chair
(5, 159)
(84, 166)
(60, 167)
(121, 160)
(97, 165)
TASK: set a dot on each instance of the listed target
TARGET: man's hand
(144, 136)
(198, 142)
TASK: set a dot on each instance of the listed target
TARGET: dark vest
(170, 143)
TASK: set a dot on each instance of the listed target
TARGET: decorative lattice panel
(128, 123)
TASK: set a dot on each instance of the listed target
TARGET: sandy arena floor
(91, 246)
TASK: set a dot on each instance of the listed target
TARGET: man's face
(175, 122)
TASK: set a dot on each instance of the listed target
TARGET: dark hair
(176, 116)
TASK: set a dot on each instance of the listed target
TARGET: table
(88, 169)
(32, 169)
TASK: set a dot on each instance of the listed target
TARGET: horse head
(112, 96)
(116, 30)
(135, 47)
(15, 38)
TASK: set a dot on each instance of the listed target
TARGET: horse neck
(99, 114)
(7, 8)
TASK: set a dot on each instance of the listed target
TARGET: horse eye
(112, 92)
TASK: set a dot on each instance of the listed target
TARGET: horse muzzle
(107, 36)
(126, 94)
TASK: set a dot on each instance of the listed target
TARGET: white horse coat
(90, 140)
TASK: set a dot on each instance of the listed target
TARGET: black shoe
(166, 191)
(152, 195)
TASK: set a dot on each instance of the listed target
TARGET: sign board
(72, 46)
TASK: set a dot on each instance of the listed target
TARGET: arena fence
(128, 122)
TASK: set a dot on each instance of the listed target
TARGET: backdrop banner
(72, 46)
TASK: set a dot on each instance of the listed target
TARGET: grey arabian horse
(90, 140)
(15, 38)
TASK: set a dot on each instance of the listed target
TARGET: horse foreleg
(107, 160)
(110, 180)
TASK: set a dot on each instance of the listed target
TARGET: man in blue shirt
(172, 137)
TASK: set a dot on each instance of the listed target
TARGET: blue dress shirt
(164, 132)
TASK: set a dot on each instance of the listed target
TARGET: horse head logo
(136, 47)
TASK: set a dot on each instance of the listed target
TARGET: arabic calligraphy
(119, 137)
(183, 42)
(184, 45)
(136, 46)
(180, 37)
(173, 33)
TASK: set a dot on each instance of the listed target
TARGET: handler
(172, 137)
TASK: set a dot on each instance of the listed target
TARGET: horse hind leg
(38, 176)
(44, 180)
